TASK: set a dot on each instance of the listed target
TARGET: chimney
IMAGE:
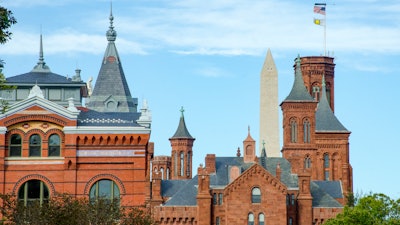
(210, 163)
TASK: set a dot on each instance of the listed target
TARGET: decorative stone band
(110, 153)
(30, 161)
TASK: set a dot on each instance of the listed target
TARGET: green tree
(66, 210)
(372, 209)
(6, 21)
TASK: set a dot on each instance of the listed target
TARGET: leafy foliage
(372, 209)
(66, 210)
(6, 20)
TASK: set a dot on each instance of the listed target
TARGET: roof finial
(111, 33)
(248, 129)
(182, 110)
(41, 65)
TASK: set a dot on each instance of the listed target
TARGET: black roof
(41, 78)
(89, 117)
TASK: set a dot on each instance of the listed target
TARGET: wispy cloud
(228, 27)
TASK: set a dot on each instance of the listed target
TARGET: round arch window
(104, 189)
(33, 191)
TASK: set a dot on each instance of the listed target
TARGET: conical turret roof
(182, 131)
(299, 91)
(111, 92)
(325, 118)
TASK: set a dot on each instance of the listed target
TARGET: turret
(181, 155)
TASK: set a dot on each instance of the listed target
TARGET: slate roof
(299, 91)
(325, 118)
(88, 117)
(41, 78)
(325, 192)
(111, 81)
(182, 131)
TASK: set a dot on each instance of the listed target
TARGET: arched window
(33, 190)
(54, 145)
(162, 173)
(35, 145)
(315, 91)
(182, 165)
(307, 162)
(326, 166)
(306, 131)
(250, 219)
(105, 189)
(15, 145)
(217, 221)
(287, 199)
(256, 195)
(293, 131)
(290, 222)
(261, 219)
(176, 164)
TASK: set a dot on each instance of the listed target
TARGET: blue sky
(207, 56)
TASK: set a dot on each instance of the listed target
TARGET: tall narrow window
(292, 199)
(176, 164)
(326, 166)
(261, 219)
(105, 189)
(54, 145)
(15, 145)
(167, 173)
(162, 173)
(220, 198)
(290, 222)
(215, 198)
(188, 165)
(256, 195)
(307, 162)
(250, 219)
(35, 145)
(287, 199)
(315, 92)
(217, 221)
(293, 131)
(33, 190)
(307, 131)
(182, 165)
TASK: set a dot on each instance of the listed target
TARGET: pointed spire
(249, 138)
(325, 118)
(41, 66)
(263, 157)
(299, 91)
(111, 33)
(182, 131)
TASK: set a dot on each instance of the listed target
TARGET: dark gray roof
(185, 192)
(299, 91)
(89, 117)
(182, 192)
(111, 81)
(182, 131)
(325, 118)
(42, 79)
(325, 192)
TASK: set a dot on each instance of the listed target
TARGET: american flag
(319, 9)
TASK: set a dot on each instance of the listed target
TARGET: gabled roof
(325, 119)
(111, 80)
(36, 100)
(182, 131)
(299, 91)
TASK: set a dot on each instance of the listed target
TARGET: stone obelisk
(269, 117)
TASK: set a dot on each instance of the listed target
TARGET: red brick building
(307, 185)
(51, 142)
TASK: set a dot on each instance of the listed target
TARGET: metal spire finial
(111, 33)
(41, 65)
(182, 110)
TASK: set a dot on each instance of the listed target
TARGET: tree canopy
(6, 20)
(372, 209)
